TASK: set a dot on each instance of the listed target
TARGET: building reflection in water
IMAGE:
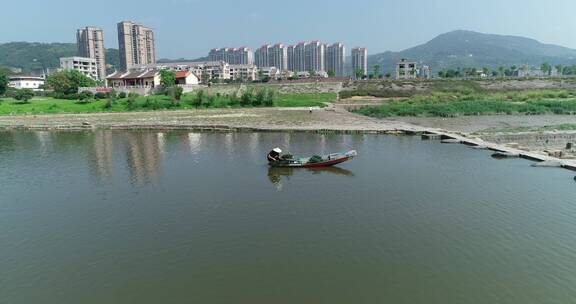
(144, 156)
(102, 158)
(276, 175)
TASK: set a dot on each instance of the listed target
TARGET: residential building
(138, 79)
(86, 66)
(262, 56)
(297, 59)
(243, 72)
(270, 72)
(291, 60)
(136, 45)
(242, 55)
(335, 56)
(279, 57)
(26, 82)
(406, 69)
(90, 42)
(186, 78)
(425, 72)
(315, 52)
(359, 60)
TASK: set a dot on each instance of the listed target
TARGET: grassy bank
(47, 105)
(451, 104)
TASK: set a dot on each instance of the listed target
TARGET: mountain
(165, 60)
(459, 49)
(34, 56)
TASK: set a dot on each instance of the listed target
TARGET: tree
(546, 68)
(167, 78)
(501, 70)
(376, 69)
(559, 69)
(331, 73)
(68, 81)
(3, 82)
(260, 97)
(198, 99)
(358, 73)
(269, 101)
(486, 71)
(23, 95)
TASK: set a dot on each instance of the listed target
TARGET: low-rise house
(186, 78)
(86, 66)
(26, 82)
(140, 82)
(406, 69)
(270, 72)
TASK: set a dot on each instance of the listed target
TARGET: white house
(26, 82)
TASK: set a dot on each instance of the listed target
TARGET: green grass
(47, 105)
(304, 99)
(462, 103)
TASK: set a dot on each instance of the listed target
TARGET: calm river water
(178, 217)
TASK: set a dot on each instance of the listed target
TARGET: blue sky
(379, 25)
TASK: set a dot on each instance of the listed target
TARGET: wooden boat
(311, 162)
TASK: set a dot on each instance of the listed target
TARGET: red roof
(181, 74)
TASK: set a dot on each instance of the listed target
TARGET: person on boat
(274, 155)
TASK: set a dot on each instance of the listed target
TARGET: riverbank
(471, 130)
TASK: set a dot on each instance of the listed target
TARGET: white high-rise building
(278, 57)
(262, 56)
(242, 55)
(315, 53)
(335, 55)
(359, 60)
(297, 60)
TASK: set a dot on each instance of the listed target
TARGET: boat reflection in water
(277, 174)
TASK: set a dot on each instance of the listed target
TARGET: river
(178, 217)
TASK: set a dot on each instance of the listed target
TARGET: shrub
(85, 95)
(259, 98)
(246, 98)
(131, 103)
(23, 95)
(100, 95)
(122, 95)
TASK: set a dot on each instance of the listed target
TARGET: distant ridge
(472, 49)
(35, 56)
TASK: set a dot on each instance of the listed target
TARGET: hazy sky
(189, 28)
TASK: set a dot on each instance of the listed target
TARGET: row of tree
(502, 71)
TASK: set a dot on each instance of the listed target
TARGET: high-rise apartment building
(90, 43)
(272, 56)
(298, 57)
(360, 60)
(279, 57)
(262, 56)
(335, 55)
(242, 55)
(315, 53)
(136, 45)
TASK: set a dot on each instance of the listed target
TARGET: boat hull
(324, 163)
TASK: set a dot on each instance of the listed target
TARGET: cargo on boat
(277, 159)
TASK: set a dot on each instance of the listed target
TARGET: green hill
(471, 49)
(34, 56)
